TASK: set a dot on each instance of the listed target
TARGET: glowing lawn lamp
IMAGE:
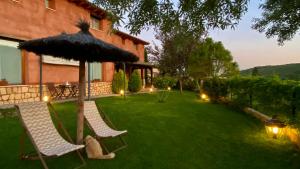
(274, 127)
(121, 92)
(151, 90)
(169, 88)
(204, 97)
(46, 98)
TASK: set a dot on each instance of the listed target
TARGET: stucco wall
(28, 19)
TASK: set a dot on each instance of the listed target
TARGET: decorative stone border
(28, 93)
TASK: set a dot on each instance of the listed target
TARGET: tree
(279, 18)
(173, 57)
(255, 71)
(210, 59)
(146, 59)
(197, 15)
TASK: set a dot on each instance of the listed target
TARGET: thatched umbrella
(83, 47)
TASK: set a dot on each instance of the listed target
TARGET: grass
(180, 133)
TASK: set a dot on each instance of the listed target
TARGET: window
(10, 62)
(50, 4)
(96, 23)
(59, 61)
(96, 71)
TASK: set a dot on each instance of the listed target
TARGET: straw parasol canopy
(82, 47)
(79, 46)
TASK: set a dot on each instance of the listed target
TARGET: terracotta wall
(28, 19)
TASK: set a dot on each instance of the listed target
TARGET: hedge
(271, 95)
(163, 82)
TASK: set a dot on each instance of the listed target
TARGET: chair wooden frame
(39, 155)
(111, 125)
(55, 94)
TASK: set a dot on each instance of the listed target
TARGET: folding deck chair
(47, 141)
(99, 127)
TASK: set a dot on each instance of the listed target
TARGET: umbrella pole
(41, 78)
(89, 81)
(80, 118)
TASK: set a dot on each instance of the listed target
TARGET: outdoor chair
(39, 127)
(99, 127)
(54, 92)
(75, 89)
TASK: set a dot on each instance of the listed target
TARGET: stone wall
(28, 93)
(20, 93)
(100, 88)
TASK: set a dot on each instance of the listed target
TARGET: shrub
(189, 84)
(215, 88)
(118, 82)
(162, 82)
(135, 82)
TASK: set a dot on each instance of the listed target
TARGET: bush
(135, 82)
(163, 82)
(118, 82)
(216, 89)
(189, 84)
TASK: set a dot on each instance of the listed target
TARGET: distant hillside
(288, 71)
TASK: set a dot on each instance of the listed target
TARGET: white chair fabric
(36, 118)
(96, 122)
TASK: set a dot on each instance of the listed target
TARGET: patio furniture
(75, 89)
(99, 127)
(83, 47)
(38, 125)
(65, 90)
(54, 91)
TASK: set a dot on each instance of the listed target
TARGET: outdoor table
(67, 90)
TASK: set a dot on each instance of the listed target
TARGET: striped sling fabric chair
(99, 127)
(39, 127)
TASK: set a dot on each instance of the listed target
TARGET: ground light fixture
(204, 97)
(169, 88)
(274, 127)
(46, 98)
(151, 90)
(121, 92)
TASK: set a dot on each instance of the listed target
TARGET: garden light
(274, 127)
(121, 92)
(151, 90)
(169, 88)
(46, 98)
(203, 96)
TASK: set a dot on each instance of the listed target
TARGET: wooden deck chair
(47, 141)
(99, 127)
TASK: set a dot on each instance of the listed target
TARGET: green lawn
(181, 133)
